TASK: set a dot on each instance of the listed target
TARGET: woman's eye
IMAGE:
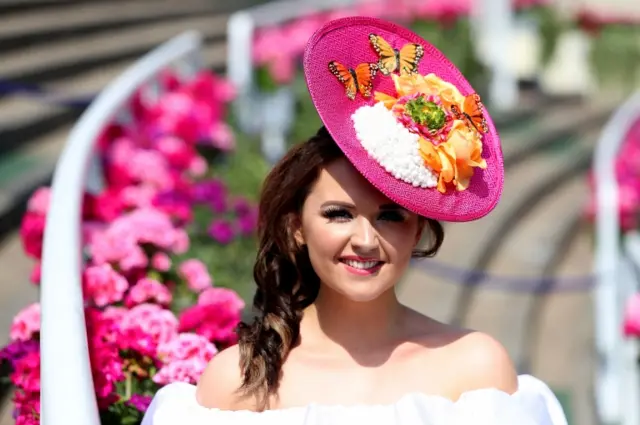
(337, 214)
(392, 216)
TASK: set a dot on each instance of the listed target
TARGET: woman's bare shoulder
(219, 384)
(480, 360)
(484, 363)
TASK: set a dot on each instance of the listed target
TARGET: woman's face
(359, 241)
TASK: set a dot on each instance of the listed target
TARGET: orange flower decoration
(455, 158)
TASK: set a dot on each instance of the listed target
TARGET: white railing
(617, 378)
(68, 396)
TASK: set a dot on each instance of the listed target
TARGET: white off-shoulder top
(532, 404)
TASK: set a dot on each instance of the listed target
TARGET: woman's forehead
(340, 181)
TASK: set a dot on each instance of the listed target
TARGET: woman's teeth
(363, 265)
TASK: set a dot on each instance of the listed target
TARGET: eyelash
(342, 215)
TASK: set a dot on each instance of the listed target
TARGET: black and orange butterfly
(405, 60)
(472, 112)
(355, 80)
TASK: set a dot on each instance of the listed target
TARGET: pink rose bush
(627, 168)
(631, 324)
(277, 50)
(628, 173)
(153, 313)
(628, 176)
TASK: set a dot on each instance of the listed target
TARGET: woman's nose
(364, 237)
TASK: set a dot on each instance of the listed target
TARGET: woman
(341, 216)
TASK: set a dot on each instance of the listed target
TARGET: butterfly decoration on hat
(448, 125)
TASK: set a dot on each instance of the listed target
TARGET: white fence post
(496, 26)
(269, 115)
(610, 279)
(67, 392)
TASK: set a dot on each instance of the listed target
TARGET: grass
(564, 397)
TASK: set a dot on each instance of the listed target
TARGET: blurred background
(551, 72)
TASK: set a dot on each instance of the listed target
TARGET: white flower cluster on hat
(392, 145)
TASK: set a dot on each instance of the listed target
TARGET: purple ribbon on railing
(513, 283)
(9, 87)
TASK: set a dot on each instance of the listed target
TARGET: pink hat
(405, 117)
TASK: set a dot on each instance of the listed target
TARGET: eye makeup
(341, 212)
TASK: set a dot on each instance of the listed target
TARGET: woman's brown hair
(286, 281)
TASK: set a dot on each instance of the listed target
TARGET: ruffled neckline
(530, 390)
(408, 397)
(532, 404)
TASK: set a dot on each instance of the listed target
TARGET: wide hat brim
(347, 41)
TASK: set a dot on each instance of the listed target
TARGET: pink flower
(222, 137)
(138, 196)
(161, 262)
(225, 297)
(148, 290)
(177, 114)
(26, 324)
(121, 242)
(26, 375)
(631, 322)
(215, 317)
(283, 69)
(186, 346)
(103, 285)
(26, 407)
(175, 204)
(181, 242)
(213, 192)
(150, 167)
(151, 226)
(160, 324)
(117, 245)
(211, 90)
(29, 418)
(26, 379)
(138, 340)
(89, 230)
(140, 402)
(106, 366)
(221, 231)
(188, 371)
(36, 274)
(32, 234)
(114, 314)
(39, 201)
(177, 152)
(195, 273)
(185, 358)
(198, 166)
(121, 150)
(105, 207)
(267, 44)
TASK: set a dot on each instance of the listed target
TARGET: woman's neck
(357, 327)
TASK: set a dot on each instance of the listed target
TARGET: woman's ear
(298, 235)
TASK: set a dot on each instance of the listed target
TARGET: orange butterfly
(472, 112)
(405, 60)
(355, 80)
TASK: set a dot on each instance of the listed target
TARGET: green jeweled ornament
(426, 113)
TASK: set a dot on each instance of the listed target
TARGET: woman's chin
(362, 293)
